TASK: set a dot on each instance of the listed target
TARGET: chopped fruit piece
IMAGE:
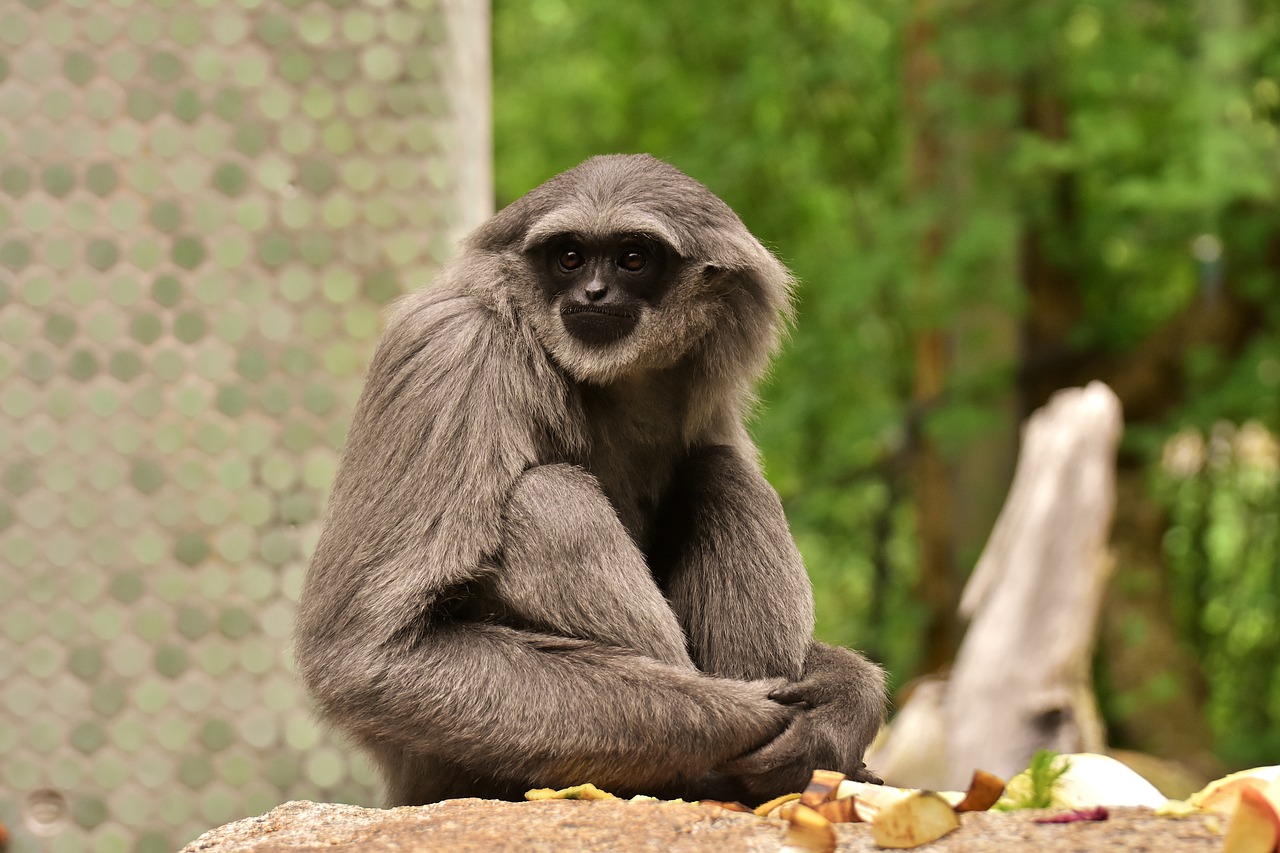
(808, 832)
(914, 820)
(822, 787)
(1255, 827)
(985, 790)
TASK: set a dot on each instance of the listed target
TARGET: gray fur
(546, 562)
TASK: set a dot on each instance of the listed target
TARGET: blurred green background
(204, 208)
(984, 202)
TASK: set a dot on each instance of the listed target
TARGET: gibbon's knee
(559, 490)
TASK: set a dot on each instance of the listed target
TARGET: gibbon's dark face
(600, 286)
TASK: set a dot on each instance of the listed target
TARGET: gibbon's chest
(635, 440)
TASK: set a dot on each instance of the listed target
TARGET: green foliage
(798, 113)
(1223, 490)
(1033, 787)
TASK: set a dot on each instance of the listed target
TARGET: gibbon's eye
(632, 260)
(570, 259)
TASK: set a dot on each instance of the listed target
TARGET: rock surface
(565, 826)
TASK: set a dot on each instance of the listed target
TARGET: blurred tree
(984, 201)
(1127, 164)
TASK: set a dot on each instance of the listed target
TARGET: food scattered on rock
(1236, 814)
(577, 792)
(808, 831)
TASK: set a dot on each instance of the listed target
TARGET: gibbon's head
(624, 264)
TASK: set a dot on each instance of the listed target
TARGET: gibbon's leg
(587, 681)
(733, 569)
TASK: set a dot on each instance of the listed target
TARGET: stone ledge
(566, 826)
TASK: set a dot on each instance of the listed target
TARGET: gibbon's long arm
(432, 502)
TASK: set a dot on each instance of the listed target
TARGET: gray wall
(204, 208)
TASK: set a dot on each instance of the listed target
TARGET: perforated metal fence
(204, 207)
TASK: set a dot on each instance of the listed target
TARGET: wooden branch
(1022, 679)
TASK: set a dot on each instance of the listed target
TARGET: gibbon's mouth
(598, 325)
(597, 309)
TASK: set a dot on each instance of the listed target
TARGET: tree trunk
(1022, 679)
(937, 587)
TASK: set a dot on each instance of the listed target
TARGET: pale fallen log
(1022, 678)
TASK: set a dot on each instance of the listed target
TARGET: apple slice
(985, 790)
(1272, 793)
(808, 832)
(1255, 827)
(1265, 774)
(822, 788)
(911, 821)
(870, 799)
(840, 811)
(1224, 798)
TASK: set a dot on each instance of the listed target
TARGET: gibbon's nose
(596, 290)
